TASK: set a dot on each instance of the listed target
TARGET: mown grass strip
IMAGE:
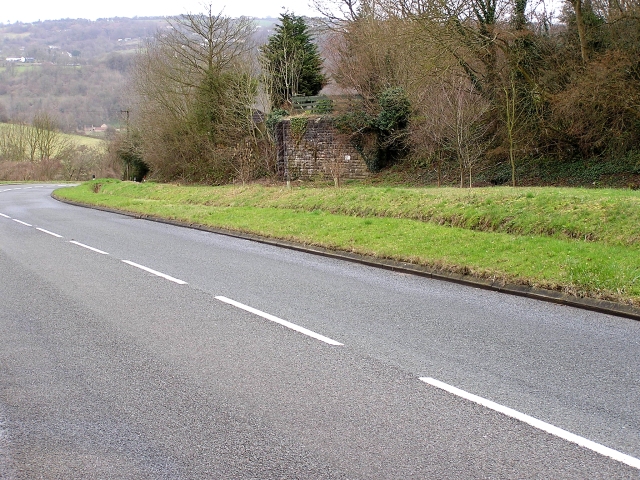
(587, 268)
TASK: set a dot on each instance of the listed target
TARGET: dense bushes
(380, 133)
(499, 78)
(196, 90)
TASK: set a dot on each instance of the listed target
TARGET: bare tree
(13, 142)
(196, 86)
(40, 142)
(464, 121)
(517, 122)
(49, 141)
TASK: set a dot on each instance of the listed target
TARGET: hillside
(74, 69)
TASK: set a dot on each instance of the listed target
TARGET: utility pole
(127, 112)
(128, 142)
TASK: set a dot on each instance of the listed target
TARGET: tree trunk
(582, 33)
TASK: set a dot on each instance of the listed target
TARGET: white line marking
(5, 216)
(50, 233)
(534, 422)
(154, 272)
(88, 247)
(284, 323)
(23, 223)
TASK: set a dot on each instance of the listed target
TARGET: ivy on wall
(298, 127)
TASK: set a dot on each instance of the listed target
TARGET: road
(134, 349)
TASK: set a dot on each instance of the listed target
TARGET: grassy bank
(583, 242)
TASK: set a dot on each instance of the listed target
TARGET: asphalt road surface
(132, 350)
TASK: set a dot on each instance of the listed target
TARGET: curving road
(131, 350)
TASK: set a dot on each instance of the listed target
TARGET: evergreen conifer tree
(291, 62)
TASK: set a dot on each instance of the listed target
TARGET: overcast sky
(34, 10)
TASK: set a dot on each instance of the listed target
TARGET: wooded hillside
(76, 70)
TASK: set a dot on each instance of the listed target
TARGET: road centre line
(88, 247)
(50, 233)
(23, 223)
(539, 424)
(154, 272)
(147, 269)
(280, 321)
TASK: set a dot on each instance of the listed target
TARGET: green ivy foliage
(354, 121)
(389, 127)
(298, 127)
(323, 106)
(273, 118)
(394, 110)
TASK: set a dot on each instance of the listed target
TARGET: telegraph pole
(127, 112)
(128, 141)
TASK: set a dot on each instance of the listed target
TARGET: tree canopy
(195, 91)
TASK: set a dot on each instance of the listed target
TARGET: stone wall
(313, 148)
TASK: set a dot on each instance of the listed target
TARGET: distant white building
(20, 59)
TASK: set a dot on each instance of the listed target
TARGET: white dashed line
(48, 232)
(5, 216)
(21, 222)
(284, 323)
(154, 272)
(534, 422)
(88, 247)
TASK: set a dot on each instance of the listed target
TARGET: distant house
(92, 129)
(21, 59)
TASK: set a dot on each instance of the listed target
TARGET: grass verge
(581, 242)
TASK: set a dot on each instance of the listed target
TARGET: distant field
(19, 68)
(77, 139)
(87, 141)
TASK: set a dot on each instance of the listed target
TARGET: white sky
(34, 10)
